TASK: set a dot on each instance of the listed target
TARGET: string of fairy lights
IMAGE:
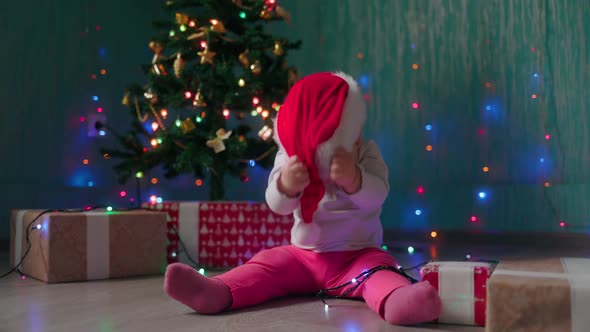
(543, 62)
(98, 114)
(552, 135)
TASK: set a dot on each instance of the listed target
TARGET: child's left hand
(344, 170)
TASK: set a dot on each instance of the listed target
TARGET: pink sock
(412, 304)
(203, 295)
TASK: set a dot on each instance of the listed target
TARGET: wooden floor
(140, 305)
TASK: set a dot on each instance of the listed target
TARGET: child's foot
(413, 304)
(203, 295)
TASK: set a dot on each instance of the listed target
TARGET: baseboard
(524, 239)
(521, 239)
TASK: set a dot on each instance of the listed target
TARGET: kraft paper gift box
(462, 289)
(550, 294)
(222, 234)
(77, 246)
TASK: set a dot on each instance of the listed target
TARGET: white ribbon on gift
(18, 236)
(577, 273)
(97, 245)
(456, 288)
(188, 229)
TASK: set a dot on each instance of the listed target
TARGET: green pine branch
(249, 65)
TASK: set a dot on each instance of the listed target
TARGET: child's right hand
(294, 177)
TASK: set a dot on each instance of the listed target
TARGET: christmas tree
(214, 84)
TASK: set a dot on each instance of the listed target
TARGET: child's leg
(389, 294)
(270, 274)
(203, 295)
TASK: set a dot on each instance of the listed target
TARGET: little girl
(334, 183)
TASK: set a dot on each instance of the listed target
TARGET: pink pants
(288, 270)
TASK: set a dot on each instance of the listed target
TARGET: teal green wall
(460, 45)
(51, 50)
(45, 88)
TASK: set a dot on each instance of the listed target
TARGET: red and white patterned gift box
(222, 234)
(462, 289)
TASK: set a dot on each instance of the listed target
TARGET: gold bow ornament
(217, 143)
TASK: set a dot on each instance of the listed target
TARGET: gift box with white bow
(75, 246)
(540, 295)
(462, 289)
(222, 234)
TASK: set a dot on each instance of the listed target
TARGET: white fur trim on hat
(349, 130)
(351, 126)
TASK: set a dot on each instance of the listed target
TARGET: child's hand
(344, 170)
(294, 177)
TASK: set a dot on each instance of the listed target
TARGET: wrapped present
(76, 246)
(222, 234)
(540, 295)
(462, 289)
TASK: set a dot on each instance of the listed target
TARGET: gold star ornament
(206, 56)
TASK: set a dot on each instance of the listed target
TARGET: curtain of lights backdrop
(459, 76)
(480, 107)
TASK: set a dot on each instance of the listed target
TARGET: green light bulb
(242, 15)
(109, 208)
(172, 33)
(139, 175)
(178, 122)
(183, 28)
(199, 119)
(202, 271)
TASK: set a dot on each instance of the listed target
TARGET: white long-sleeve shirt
(342, 222)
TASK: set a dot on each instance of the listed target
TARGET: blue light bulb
(364, 81)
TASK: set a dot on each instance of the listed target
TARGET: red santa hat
(322, 112)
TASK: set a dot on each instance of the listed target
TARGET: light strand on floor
(359, 280)
(366, 274)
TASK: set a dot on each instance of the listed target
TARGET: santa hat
(322, 112)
